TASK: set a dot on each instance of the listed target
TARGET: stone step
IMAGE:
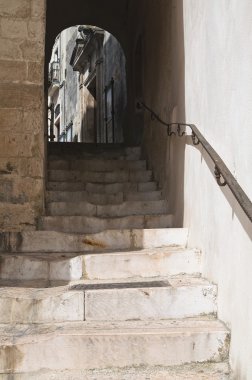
(92, 224)
(100, 177)
(158, 262)
(180, 297)
(28, 305)
(103, 199)
(98, 165)
(83, 151)
(171, 298)
(100, 188)
(109, 240)
(143, 263)
(88, 345)
(129, 208)
(195, 371)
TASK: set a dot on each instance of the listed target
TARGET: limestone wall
(197, 68)
(21, 112)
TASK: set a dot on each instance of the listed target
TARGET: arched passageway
(115, 17)
(87, 92)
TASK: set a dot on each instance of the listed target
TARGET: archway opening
(87, 92)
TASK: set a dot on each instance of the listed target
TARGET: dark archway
(111, 15)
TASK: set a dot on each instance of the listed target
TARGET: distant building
(87, 87)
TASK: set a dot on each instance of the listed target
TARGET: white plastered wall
(218, 99)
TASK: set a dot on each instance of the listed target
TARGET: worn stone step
(180, 297)
(144, 263)
(100, 188)
(104, 211)
(89, 345)
(82, 150)
(27, 305)
(100, 177)
(195, 371)
(156, 262)
(98, 165)
(92, 224)
(109, 240)
(150, 299)
(98, 198)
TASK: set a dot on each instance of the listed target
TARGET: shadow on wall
(164, 93)
(176, 149)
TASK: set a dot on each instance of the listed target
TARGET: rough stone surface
(13, 71)
(159, 262)
(14, 8)
(86, 345)
(209, 371)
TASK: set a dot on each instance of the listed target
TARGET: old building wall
(115, 67)
(22, 26)
(199, 71)
(71, 83)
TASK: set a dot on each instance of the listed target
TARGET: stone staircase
(105, 288)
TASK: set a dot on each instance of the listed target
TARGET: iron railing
(109, 92)
(222, 174)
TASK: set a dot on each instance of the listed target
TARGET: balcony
(53, 77)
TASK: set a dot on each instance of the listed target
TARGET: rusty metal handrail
(222, 174)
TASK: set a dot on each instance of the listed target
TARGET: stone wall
(197, 68)
(21, 112)
(115, 67)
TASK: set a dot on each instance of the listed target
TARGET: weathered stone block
(35, 72)
(23, 167)
(9, 49)
(13, 71)
(17, 8)
(36, 30)
(32, 51)
(34, 120)
(16, 145)
(20, 95)
(11, 28)
(10, 119)
(38, 9)
(16, 217)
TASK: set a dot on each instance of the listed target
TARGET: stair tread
(12, 288)
(202, 371)
(68, 255)
(107, 240)
(24, 333)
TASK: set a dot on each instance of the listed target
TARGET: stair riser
(89, 225)
(149, 303)
(79, 152)
(144, 304)
(96, 165)
(110, 188)
(64, 307)
(100, 177)
(124, 209)
(117, 198)
(110, 305)
(107, 350)
(51, 241)
(101, 267)
(136, 264)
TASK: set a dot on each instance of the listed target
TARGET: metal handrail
(222, 173)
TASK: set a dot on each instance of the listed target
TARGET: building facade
(87, 87)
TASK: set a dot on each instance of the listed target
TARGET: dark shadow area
(176, 148)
